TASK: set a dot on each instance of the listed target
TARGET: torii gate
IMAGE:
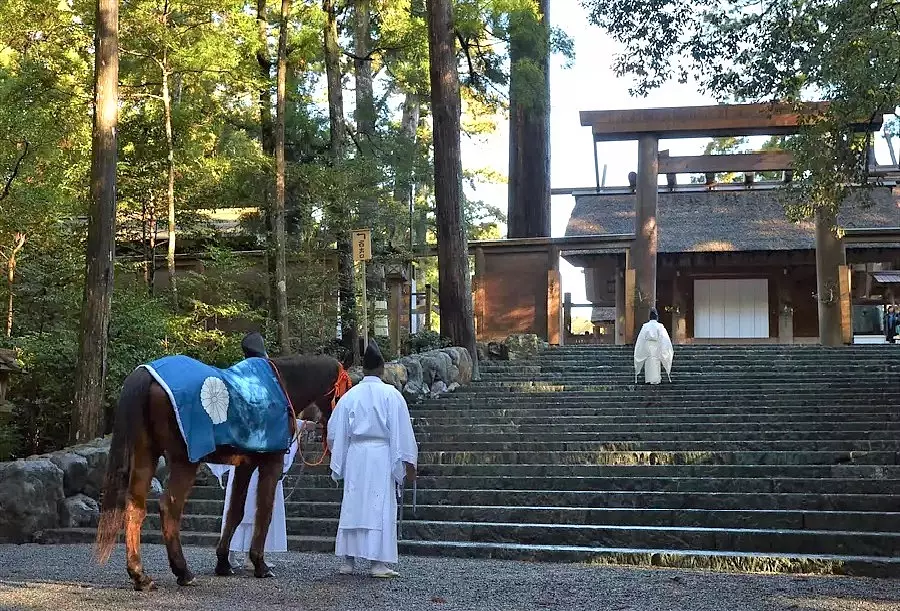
(648, 126)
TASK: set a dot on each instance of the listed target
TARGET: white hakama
(371, 437)
(276, 539)
(653, 350)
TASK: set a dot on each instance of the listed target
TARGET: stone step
(474, 436)
(870, 543)
(877, 472)
(603, 498)
(772, 485)
(750, 430)
(211, 511)
(428, 448)
(649, 413)
(871, 566)
(661, 457)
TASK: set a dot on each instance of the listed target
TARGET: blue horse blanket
(243, 406)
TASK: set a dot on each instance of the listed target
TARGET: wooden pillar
(643, 252)
(554, 299)
(679, 312)
(621, 337)
(567, 317)
(395, 313)
(785, 310)
(830, 256)
(845, 281)
(479, 289)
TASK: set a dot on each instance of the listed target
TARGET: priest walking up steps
(372, 449)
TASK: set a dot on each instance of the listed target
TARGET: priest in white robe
(372, 449)
(276, 539)
(653, 350)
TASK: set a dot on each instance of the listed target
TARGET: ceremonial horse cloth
(243, 406)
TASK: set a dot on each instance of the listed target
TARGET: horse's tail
(128, 417)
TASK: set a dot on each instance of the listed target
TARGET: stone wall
(427, 374)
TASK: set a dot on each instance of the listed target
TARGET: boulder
(524, 346)
(462, 360)
(415, 387)
(395, 375)
(356, 374)
(497, 352)
(96, 457)
(75, 471)
(436, 367)
(438, 388)
(156, 488)
(453, 387)
(79, 510)
(30, 494)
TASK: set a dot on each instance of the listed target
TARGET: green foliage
(843, 51)
(423, 341)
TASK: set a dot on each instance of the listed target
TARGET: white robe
(652, 349)
(370, 436)
(276, 539)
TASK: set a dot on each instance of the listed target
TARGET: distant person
(652, 350)
(890, 324)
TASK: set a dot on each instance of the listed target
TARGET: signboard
(362, 245)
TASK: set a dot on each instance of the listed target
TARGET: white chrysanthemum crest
(214, 398)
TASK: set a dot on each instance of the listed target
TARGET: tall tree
(454, 284)
(529, 121)
(340, 216)
(281, 312)
(90, 370)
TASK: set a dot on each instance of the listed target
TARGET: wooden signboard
(362, 245)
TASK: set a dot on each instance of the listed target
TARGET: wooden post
(846, 304)
(428, 307)
(620, 306)
(365, 307)
(567, 316)
(785, 311)
(645, 242)
(479, 289)
(830, 256)
(679, 314)
(629, 307)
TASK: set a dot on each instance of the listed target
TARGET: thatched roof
(725, 221)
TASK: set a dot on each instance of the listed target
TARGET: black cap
(254, 345)
(372, 359)
(654, 315)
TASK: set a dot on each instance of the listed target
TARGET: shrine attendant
(652, 349)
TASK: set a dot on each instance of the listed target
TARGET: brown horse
(145, 428)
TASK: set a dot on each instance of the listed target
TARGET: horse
(145, 428)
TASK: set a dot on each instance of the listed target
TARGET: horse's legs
(181, 479)
(143, 467)
(233, 517)
(269, 472)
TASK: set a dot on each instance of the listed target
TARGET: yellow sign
(362, 244)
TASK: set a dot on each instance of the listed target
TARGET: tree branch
(15, 171)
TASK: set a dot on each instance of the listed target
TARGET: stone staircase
(768, 458)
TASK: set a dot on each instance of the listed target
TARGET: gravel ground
(64, 578)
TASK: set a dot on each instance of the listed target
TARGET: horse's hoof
(224, 569)
(144, 584)
(264, 573)
(188, 579)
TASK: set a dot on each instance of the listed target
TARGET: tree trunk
(90, 369)
(529, 124)
(365, 98)
(454, 291)
(18, 244)
(281, 312)
(170, 188)
(267, 141)
(404, 157)
(346, 276)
